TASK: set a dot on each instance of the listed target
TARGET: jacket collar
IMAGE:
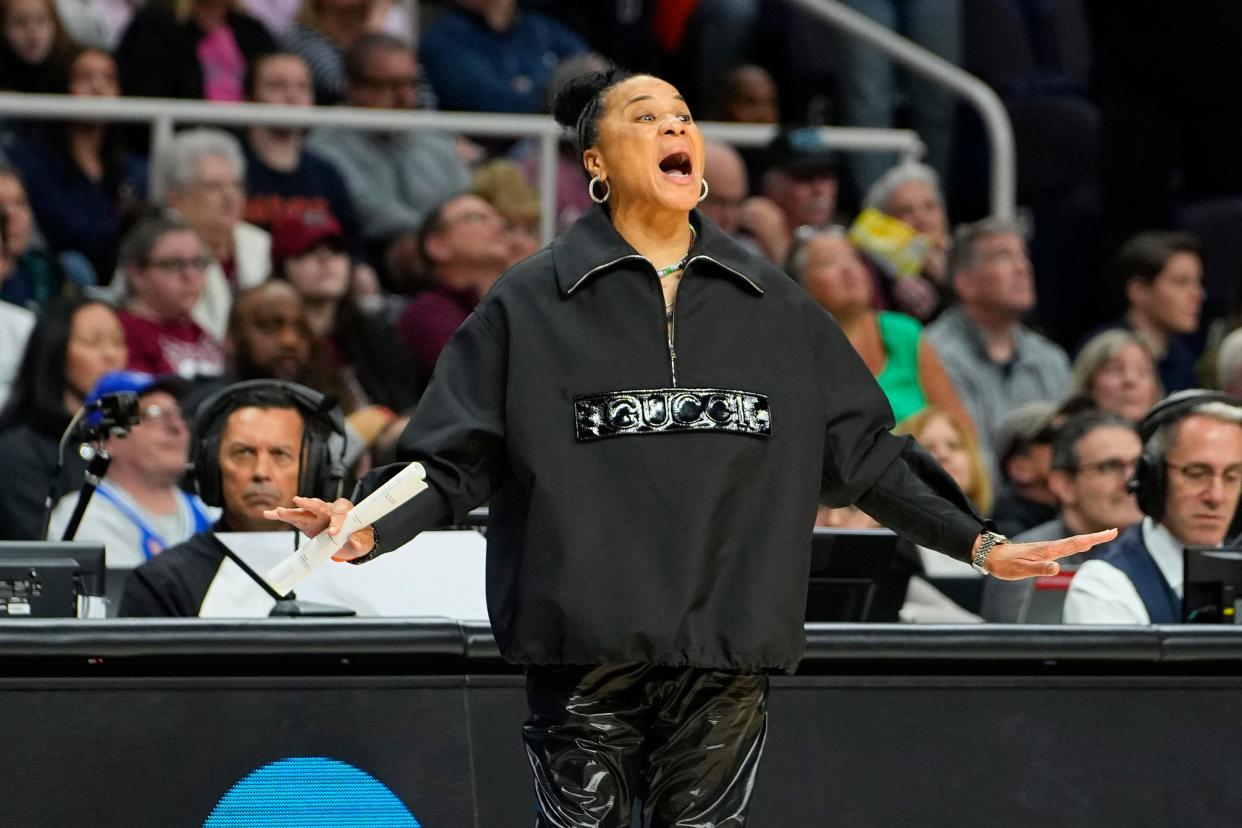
(592, 246)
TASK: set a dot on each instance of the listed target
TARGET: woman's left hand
(1015, 561)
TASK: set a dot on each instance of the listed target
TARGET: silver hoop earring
(591, 190)
(705, 189)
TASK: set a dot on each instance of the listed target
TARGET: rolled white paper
(313, 552)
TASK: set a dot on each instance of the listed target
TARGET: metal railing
(165, 115)
(1003, 183)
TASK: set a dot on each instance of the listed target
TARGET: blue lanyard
(151, 542)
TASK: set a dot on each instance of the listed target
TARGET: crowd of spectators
(344, 259)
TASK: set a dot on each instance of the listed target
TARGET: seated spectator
(394, 178)
(1024, 463)
(201, 175)
(164, 263)
(1163, 278)
(34, 48)
(269, 337)
(197, 49)
(801, 180)
(280, 16)
(73, 344)
(501, 184)
(29, 277)
(748, 95)
(355, 347)
(1229, 364)
(1117, 371)
(911, 193)
(282, 177)
(891, 344)
(138, 510)
(258, 437)
(464, 247)
(996, 362)
(755, 223)
(571, 194)
(325, 31)
(490, 56)
(1187, 485)
(16, 323)
(81, 184)
(1093, 458)
(949, 438)
(728, 188)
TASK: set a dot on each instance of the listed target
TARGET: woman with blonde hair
(950, 439)
(502, 184)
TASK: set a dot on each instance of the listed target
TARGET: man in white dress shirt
(1187, 484)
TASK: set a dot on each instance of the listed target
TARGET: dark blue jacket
(476, 69)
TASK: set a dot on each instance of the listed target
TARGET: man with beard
(268, 338)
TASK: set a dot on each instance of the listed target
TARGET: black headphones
(1150, 481)
(322, 474)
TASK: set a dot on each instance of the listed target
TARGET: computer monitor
(1211, 585)
(51, 579)
(855, 576)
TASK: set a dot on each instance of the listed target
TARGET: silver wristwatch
(990, 539)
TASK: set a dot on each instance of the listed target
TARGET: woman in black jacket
(655, 415)
(74, 343)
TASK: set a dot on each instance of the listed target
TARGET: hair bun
(575, 95)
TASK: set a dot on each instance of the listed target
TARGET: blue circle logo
(310, 792)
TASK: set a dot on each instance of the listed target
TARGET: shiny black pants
(684, 741)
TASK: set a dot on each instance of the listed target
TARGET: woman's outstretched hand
(310, 515)
(1015, 561)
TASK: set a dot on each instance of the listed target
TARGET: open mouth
(677, 166)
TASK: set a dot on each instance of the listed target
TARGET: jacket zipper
(672, 328)
(669, 320)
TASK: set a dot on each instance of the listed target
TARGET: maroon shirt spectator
(164, 264)
(430, 320)
(465, 245)
(179, 347)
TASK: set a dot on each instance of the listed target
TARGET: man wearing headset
(1187, 484)
(256, 445)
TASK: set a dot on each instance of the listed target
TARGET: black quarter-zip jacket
(652, 493)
